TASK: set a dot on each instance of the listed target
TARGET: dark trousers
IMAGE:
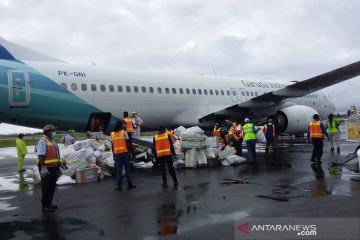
(269, 141)
(131, 150)
(48, 185)
(122, 159)
(238, 146)
(251, 148)
(318, 149)
(167, 160)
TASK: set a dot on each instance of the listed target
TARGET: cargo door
(19, 88)
(98, 122)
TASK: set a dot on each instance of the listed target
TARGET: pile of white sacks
(84, 154)
(193, 149)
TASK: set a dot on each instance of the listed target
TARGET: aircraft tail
(13, 52)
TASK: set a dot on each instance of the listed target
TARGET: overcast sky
(290, 40)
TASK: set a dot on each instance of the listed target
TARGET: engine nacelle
(294, 119)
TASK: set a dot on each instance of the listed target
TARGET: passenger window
(159, 90)
(102, 87)
(194, 91)
(93, 87)
(174, 90)
(120, 88)
(222, 92)
(217, 92)
(151, 89)
(233, 92)
(181, 91)
(256, 94)
(200, 92)
(83, 87)
(211, 92)
(111, 88)
(205, 91)
(136, 89)
(63, 86)
(167, 90)
(228, 92)
(73, 86)
(143, 89)
(187, 91)
(247, 93)
(128, 89)
(242, 93)
(252, 94)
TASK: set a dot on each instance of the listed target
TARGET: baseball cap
(49, 127)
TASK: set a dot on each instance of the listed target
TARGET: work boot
(131, 187)
(332, 149)
(164, 185)
(318, 162)
(119, 188)
(55, 207)
(176, 184)
(338, 150)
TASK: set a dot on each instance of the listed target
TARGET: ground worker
(21, 151)
(68, 138)
(270, 135)
(249, 133)
(163, 150)
(120, 146)
(137, 122)
(48, 163)
(129, 128)
(238, 137)
(316, 132)
(170, 132)
(216, 131)
(332, 127)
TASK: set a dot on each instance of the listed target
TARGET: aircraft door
(98, 122)
(242, 96)
(234, 94)
(19, 88)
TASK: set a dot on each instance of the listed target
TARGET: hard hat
(270, 120)
(246, 120)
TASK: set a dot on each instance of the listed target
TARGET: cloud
(291, 40)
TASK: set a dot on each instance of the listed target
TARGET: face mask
(53, 134)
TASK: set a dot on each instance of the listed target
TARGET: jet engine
(294, 119)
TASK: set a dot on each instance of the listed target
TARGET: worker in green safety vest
(249, 135)
(332, 127)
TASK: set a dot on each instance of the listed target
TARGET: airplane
(36, 89)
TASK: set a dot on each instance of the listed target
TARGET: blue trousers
(250, 146)
(122, 159)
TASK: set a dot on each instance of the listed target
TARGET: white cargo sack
(228, 151)
(233, 160)
(36, 175)
(260, 136)
(64, 179)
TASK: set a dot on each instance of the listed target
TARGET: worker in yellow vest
(120, 149)
(249, 133)
(129, 128)
(48, 163)
(21, 151)
(332, 127)
(163, 151)
(316, 132)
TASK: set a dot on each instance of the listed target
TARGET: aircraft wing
(290, 92)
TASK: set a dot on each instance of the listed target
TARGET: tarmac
(205, 206)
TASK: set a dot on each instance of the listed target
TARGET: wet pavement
(205, 205)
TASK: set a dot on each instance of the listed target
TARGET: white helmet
(246, 120)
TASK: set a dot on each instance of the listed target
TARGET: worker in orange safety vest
(316, 132)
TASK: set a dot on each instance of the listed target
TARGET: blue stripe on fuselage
(4, 54)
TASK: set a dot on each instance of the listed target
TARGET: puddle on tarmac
(168, 219)
(49, 228)
(21, 182)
